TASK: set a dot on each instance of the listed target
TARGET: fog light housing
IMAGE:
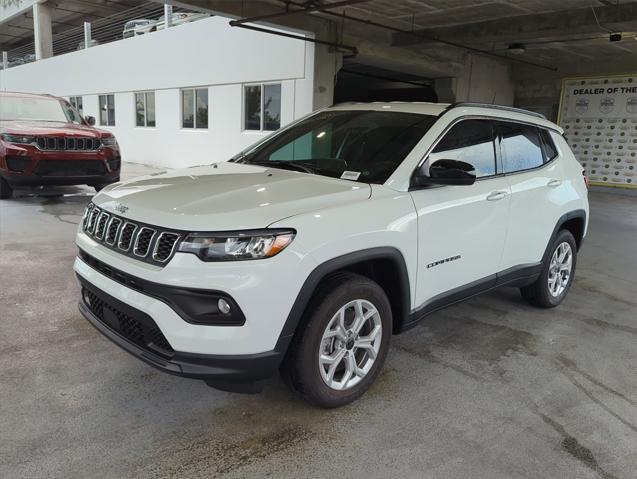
(223, 306)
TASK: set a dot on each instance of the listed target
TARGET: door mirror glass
(90, 120)
(446, 172)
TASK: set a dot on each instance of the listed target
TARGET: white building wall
(206, 53)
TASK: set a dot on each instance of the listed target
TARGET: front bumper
(135, 332)
(27, 166)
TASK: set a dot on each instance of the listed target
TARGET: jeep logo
(121, 208)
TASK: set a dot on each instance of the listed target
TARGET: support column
(42, 32)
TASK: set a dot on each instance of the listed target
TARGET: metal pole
(87, 34)
(5, 60)
(168, 15)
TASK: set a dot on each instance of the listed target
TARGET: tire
(308, 375)
(6, 191)
(546, 294)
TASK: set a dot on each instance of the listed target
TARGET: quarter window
(76, 101)
(145, 109)
(470, 141)
(550, 151)
(194, 108)
(262, 107)
(107, 110)
(521, 147)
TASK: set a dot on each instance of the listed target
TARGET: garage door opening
(364, 83)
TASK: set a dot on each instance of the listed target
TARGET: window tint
(262, 107)
(365, 145)
(550, 151)
(521, 147)
(271, 107)
(145, 109)
(76, 101)
(194, 108)
(107, 110)
(470, 141)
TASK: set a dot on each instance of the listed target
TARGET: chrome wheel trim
(350, 344)
(560, 269)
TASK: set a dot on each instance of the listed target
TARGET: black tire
(301, 370)
(6, 191)
(538, 293)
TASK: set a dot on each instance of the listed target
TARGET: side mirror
(90, 120)
(446, 172)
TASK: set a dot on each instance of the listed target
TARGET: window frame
(500, 160)
(73, 102)
(494, 138)
(145, 94)
(261, 86)
(541, 145)
(194, 109)
(99, 109)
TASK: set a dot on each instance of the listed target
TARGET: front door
(462, 229)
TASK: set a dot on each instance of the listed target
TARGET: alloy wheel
(350, 344)
(560, 269)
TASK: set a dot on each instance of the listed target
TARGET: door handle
(554, 183)
(496, 195)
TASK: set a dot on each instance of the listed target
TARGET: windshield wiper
(294, 165)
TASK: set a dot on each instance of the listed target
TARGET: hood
(226, 196)
(42, 128)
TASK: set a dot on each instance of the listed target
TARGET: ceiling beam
(520, 28)
(287, 12)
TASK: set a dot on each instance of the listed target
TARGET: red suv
(45, 141)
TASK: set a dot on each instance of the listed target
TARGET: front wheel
(556, 277)
(341, 349)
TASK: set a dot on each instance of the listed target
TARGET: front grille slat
(67, 143)
(140, 241)
(143, 241)
(113, 229)
(164, 246)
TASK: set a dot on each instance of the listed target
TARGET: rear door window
(470, 141)
(521, 146)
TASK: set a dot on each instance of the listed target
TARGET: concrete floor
(491, 388)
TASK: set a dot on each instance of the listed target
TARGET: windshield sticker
(350, 175)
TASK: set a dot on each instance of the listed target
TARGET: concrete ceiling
(67, 14)
(564, 34)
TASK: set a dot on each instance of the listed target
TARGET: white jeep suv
(308, 251)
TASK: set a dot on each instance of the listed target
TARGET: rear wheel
(556, 277)
(342, 347)
(6, 191)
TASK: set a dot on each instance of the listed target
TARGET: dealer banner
(599, 117)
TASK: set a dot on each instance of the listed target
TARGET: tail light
(586, 182)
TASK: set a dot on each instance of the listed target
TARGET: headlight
(109, 141)
(237, 246)
(19, 139)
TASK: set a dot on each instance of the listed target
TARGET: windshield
(37, 109)
(363, 146)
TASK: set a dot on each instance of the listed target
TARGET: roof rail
(496, 107)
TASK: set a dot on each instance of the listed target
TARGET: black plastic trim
(336, 264)
(515, 276)
(235, 373)
(193, 305)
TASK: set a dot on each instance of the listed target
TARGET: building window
(145, 109)
(194, 108)
(107, 110)
(262, 107)
(76, 101)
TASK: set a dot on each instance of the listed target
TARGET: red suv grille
(55, 143)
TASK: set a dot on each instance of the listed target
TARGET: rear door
(535, 178)
(462, 229)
